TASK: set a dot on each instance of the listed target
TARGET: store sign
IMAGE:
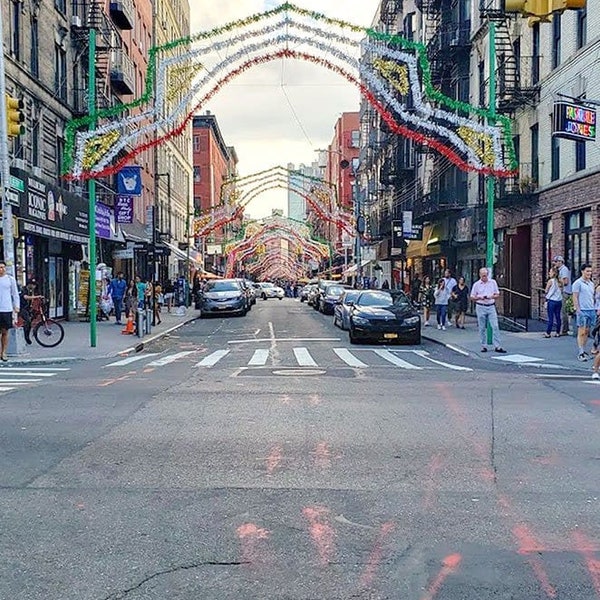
(103, 221)
(129, 181)
(397, 237)
(124, 209)
(50, 211)
(574, 122)
(125, 253)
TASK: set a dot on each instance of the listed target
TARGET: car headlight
(412, 320)
(360, 321)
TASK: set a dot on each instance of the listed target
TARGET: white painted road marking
(518, 358)
(349, 358)
(424, 354)
(395, 360)
(213, 359)
(161, 362)
(127, 361)
(304, 358)
(259, 358)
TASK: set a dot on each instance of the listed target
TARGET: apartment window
(481, 72)
(60, 72)
(59, 148)
(555, 159)
(196, 143)
(535, 47)
(196, 174)
(579, 155)
(556, 29)
(35, 144)
(355, 140)
(578, 236)
(15, 34)
(409, 26)
(546, 247)
(61, 5)
(517, 146)
(581, 28)
(535, 152)
(34, 65)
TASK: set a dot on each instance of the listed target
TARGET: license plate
(390, 336)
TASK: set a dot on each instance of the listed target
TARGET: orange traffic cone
(129, 328)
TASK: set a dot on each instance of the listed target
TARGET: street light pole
(491, 180)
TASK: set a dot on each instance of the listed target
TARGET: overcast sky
(282, 112)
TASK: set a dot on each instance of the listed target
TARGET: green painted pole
(491, 180)
(92, 189)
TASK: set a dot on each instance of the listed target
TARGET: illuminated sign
(574, 122)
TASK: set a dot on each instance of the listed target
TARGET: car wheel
(264, 296)
(280, 298)
(417, 339)
(353, 340)
(335, 321)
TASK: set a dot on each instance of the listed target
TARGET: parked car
(305, 292)
(384, 316)
(343, 307)
(329, 296)
(266, 290)
(223, 296)
(322, 285)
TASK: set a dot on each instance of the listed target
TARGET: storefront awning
(183, 254)
(134, 232)
(429, 245)
(354, 268)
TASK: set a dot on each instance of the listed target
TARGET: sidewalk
(528, 348)
(109, 340)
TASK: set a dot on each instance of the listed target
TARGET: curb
(453, 347)
(139, 347)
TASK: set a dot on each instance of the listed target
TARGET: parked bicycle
(47, 332)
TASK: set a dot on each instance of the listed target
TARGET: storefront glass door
(56, 287)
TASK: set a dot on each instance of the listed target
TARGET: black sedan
(384, 316)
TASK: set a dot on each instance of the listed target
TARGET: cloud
(280, 112)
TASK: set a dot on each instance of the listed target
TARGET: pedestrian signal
(15, 116)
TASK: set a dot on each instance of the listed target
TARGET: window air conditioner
(75, 21)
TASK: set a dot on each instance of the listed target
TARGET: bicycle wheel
(48, 333)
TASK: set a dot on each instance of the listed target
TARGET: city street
(264, 457)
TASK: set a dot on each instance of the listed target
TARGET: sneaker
(443, 328)
(500, 350)
(484, 349)
(582, 357)
(595, 375)
(426, 324)
(439, 326)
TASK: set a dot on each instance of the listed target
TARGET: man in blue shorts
(583, 302)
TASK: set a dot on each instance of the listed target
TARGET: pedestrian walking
(415, 288)
(130, 298)
(450, 284)
(158, 302)
(564, 278)
(26, 312)
(426, 298)
(116, 290)
(554, 302)
(460, 296)
(140, 287)
(10, 305)
(583, 302)
(484, 293)
(442, 297)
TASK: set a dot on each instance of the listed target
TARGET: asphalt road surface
(264, 457)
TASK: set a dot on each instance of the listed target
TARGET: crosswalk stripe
(161, 362)
(395, 360)
(6, 389)
(304, 358)
(127, 361)
(17, 369)
(349, 358)
(425, 355)
(212, 359)
(20, 381)
(25, 374)
(259, 358)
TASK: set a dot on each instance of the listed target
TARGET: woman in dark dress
(460, 295)
(426, 298)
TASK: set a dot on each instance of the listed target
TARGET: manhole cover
(299, 372)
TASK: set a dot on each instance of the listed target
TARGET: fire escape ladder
(507, 67)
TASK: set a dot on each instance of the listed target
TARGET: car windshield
(267, 285)
(375, 299)
(334, 290)
(223, 286)
(350, 297)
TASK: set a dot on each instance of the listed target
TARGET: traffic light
(541, 11)
(15, 116)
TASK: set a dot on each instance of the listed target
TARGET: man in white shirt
(9, 307)
(484, 293)
(564, 278)
(583, 302)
